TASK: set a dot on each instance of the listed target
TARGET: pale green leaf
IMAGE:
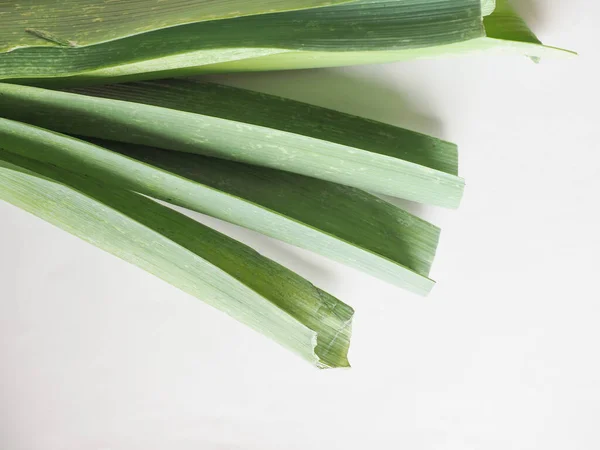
(506, 24)
(506, 33)
(360, 27)
(339, 222)
(363, 32)
(200, 261)
(74, 23)
(393, 165)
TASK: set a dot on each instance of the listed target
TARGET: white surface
(503, 355)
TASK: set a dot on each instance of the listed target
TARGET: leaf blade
(144, 124)
(344, 224)
(358, 27)
(386, 233)
(202, 262)
(390, 39)
(74, 23)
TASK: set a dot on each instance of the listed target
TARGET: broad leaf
(75, 23)
(339, 222)
(394, 166)
(348, 34)
(506, 24)
(505, 33)
(202, 262)
(362, 32)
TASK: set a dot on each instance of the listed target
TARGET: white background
(96, 354)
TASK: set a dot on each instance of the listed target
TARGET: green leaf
(200, 261)
(506, 24)
(505, 33)
(398, 163)
(362, 32)
(74, 23)
(339, 222)
(347, 33)
(342, 223)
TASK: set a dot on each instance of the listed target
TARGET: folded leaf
(345, 224)
(202, 262)
(348, 34)
(74, 23)
(506, 24)
(361, 32)
(504, 32)
(399, 163)
(339, 222)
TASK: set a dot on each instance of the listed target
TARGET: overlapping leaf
(349, 33)
(360, 32)
(342, 223)
(506, 29)
(76, 23)
(202, 262)
(170, 115)
(504, 32)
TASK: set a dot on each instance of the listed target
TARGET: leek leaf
(352, 30)
(345, 224)
(256, 108)
(202, 262)
(362, 32)
(74, 23)
(506, 24)
(505, 33)
(383, 168)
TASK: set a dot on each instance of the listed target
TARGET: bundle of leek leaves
(100, 117)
